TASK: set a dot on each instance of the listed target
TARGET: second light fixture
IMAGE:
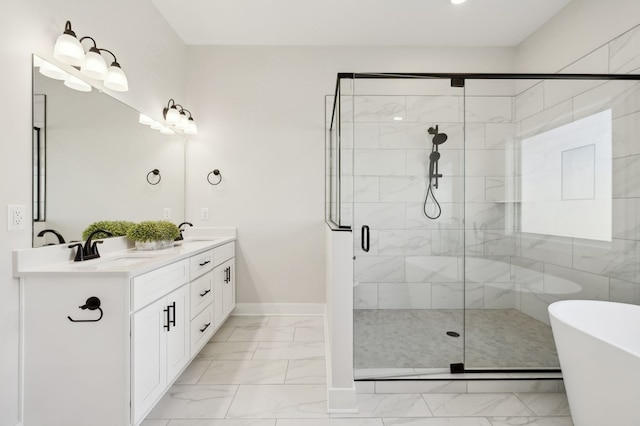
(176, 116)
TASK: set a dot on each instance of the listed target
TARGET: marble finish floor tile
(546, 404)
(193, 372)
(223, 422)
(531, 421)
(390, 405)
(439, 421)
(283, 383)
(222, 334)
(246, 321)
(155, 423)
(284, 401)
(194, 401)
(262, 334)
(308, 334)
(245, 372)
(296, 321)
(293, 350)
(306, 372)
(228, 350)
(329, 422)
(478, 404)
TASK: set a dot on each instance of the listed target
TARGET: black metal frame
(458, 80)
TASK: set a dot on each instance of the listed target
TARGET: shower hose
(433, 159)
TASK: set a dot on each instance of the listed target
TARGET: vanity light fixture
(176, 117)
(75, 83)
(69, 49)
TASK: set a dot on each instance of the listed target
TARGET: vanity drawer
(201, 263)
(224, 253)
(201, 293)
(153, 285)
(202, 328)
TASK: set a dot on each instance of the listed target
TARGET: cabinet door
(178, 341)
(149, 356)
(229, 288)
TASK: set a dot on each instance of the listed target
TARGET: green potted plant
(118, 228)
(153, 234)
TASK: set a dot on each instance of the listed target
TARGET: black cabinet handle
(173, 306)
(167, 318)
(205, 262)
(205, 293)
(364, 238)
(227, 274)
(205, 327)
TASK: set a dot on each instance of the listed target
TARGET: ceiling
(499, 23)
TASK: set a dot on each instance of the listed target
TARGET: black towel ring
(155, 172)
(215, 172)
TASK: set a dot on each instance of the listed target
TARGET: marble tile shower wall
(415, 262)
(550, 268)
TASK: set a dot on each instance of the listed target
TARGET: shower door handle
(364, 238)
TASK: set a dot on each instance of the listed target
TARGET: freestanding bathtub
(599, 349)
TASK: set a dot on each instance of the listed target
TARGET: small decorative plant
(151, 234)
(118, 228)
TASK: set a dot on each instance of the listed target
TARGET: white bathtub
(599, 349)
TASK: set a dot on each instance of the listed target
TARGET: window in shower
(566, 179)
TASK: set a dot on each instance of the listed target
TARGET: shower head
(438, 138)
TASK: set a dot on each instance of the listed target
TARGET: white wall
(153, 58)
(260, 112)
(581, 27)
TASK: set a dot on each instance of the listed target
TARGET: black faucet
(54, 232)
(90, 250)
(180, 237)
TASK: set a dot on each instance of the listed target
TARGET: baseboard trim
(313, 309)
(342, 400)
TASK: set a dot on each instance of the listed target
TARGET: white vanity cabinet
(110, 366)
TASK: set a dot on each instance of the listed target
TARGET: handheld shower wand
(438, 139)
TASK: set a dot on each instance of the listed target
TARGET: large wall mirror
(93, 161)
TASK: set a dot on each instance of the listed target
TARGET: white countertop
(117, 257)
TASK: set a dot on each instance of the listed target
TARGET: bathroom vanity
(104, 339)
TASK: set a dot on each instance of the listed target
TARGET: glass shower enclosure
(475, 201)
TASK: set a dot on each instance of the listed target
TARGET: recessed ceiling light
(457, 1)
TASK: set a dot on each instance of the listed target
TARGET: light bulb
(68, 49)
(94, 65)
(116, 79)
(191, 128)
(182, 124)
(173, 116)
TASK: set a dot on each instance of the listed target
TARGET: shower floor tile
(495, 338)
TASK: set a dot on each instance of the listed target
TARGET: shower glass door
(408, 145)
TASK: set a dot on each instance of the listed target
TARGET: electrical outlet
(204, 213)
(17, 217)
(167, 213)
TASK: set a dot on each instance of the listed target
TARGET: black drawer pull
(205, 262)
(205, 327)
(173, 306)
(167, 318)
(205, 293)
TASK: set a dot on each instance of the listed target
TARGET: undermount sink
(119, 262)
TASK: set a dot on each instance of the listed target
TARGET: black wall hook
(92, 304)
